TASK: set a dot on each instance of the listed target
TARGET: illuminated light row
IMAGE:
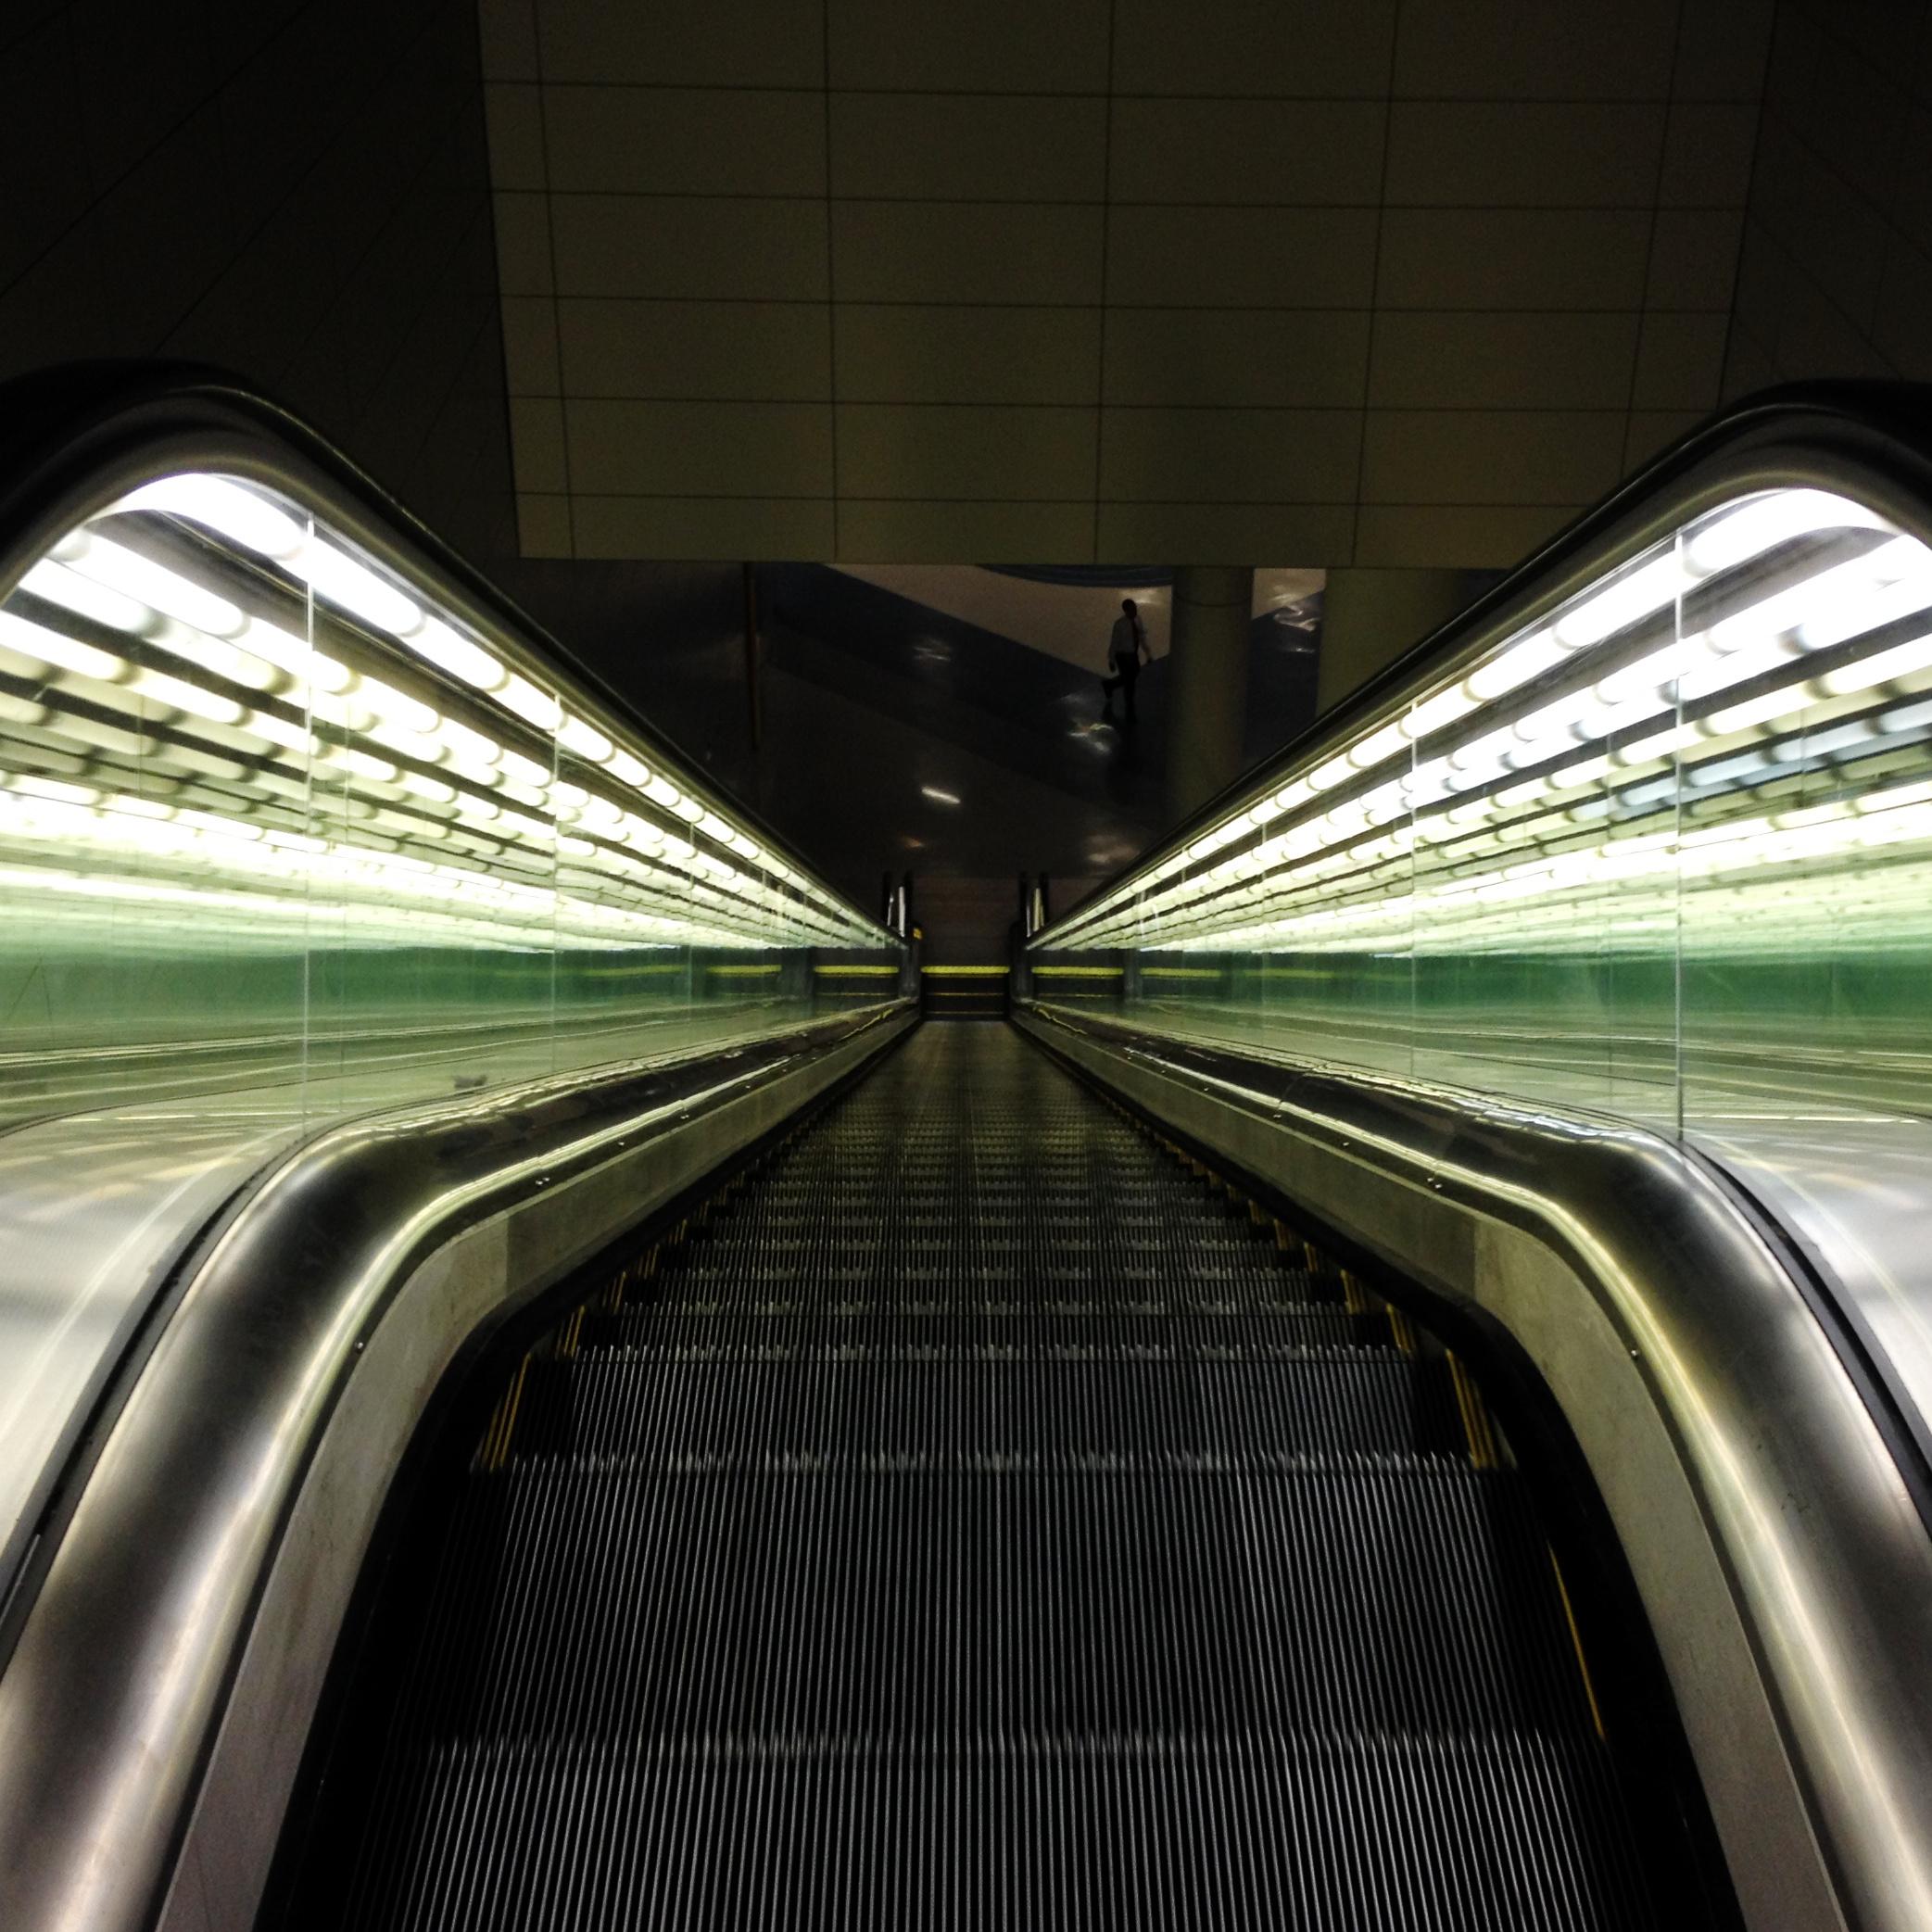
(1444, 910)
(1627, 719)
(66, 818)
(106, 582)
(393, 719)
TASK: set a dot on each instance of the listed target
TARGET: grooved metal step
(979, 1520)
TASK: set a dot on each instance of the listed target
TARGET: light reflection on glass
(271, 815)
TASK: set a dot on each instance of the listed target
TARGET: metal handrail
(1789, 1584)
(161, 1684)
(1868, 440)
(74, 440)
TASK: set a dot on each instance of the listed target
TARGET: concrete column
(1208, 682)
(1370, 617)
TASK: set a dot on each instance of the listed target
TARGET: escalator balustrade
(980, 1516)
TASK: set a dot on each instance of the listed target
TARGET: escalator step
(1328, 1835)
(1324, 1401)
(1060, 1597)
(979, 1519)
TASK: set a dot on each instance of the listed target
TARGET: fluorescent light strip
(1884, 584)
(242, 516)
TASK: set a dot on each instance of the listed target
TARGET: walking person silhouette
(1126, 651)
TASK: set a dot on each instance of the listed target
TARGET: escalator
(980, 1519)
(1389, 1388)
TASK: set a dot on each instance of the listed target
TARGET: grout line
(831, 283)
(1106, 191)
(556, 314)
(1070, 503)
(1084, 308)
(1256, 99)
(1636, 347)
(1751, 182)
(1180, 204)
(1382, 189)
(1527, 410)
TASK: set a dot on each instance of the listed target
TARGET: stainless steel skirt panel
(159, 1698)
(1777, 1550)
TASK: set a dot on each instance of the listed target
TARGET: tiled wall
(298, 193)
(1384, 282)
(1837, 274)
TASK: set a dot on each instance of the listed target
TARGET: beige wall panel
(963, 453)
(683, 42)
(1680, 362)
(1707, 154)
(700, 449)
(507, 31)
(1231, 456)
(991, 46)
(761, 351)
(1910, 204)
(1831, 232)
(1523, 154)
(513, 115)
(1478, 457)
(1748, 365)
(1513, 258)
(1253, 153)
(730, 529)
(968, 147)
(685, 141)
(624, 244)
(1816, 337)
(1217, 257)
(537, 444)
(1312, 360)
(530, 346)
(871, 531)
(1693, 258)
(1844, 100)
(1653, 431)
(1254, 534)
(1721, 47)
(1458, 538)
(1502, 361)
(897, 251)
(922, 353)
(1582, 50)
(1301, 48)
(1900, 332)
(523, 244)
(1764, 275)
(543, 525)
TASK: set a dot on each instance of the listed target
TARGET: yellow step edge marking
(1403, 1331)
(496, 1438)
(1354, 1301)
(1180, 972)
(1576, 1642)
(1475, 1417)
(964, 972)
(876, 972)
(742, 972)
(1079, 972)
